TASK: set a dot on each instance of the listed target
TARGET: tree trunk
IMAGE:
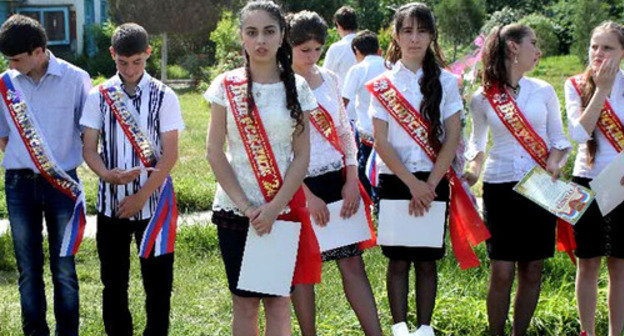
(163, 58)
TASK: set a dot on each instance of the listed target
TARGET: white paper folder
(398, 228)
(269, 261)
(609, 191)
(342, 231)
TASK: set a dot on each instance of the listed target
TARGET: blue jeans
(29, 198)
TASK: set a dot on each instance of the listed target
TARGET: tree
(501, 17)
(587, 15)
(168, 17)
(544, 30)
(459, 21)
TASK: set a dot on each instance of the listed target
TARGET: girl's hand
(470, 177)
(350, 198)
(553, 167)
(263, 218)
(422, 196)
(318, 210)
(605, 75)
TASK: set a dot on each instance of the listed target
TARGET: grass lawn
(201, 301)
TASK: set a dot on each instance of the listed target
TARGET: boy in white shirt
(365, 46)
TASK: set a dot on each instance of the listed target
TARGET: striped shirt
(157, 110)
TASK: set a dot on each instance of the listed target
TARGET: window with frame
(55, 21)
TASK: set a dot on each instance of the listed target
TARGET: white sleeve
(479, 131)
(4, 125)
(554, 126)
(306, 96)
(216, 91)
(92, 116)
(170, 113)
(377, 110)
(352, 83)
(331, 59)
(452, 100)
(574, 110)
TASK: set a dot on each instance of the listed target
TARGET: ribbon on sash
(263, 163)
(160, 232)
(322, 120)
(510, 115)
(466, 226)
(608, 123)
(47, 166)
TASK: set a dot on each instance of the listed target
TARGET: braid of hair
(431, 89)
(251, 103)
(287, 75)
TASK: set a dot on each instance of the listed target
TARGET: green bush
(544, 29)
(459, 21)
(587, 15)
(561, 14)
(227, 45)
(4, 64)
(385, 38)
(177, 72)
(502, 17)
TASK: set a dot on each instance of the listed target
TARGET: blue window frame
(55, 20)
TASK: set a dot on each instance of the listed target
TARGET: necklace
(514, 89)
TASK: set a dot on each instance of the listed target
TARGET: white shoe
(400, 329)
(424, 330)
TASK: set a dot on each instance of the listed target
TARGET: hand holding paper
(610, 194)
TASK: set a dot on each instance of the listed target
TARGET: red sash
(608, 123)
(324, 124)
(266, 170)
(466, 226)
(506, 109)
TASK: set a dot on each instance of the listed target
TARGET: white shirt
(354, 90)
(411, 154)
(55, 102)
(324, 157)
(507, 160)
(340, 57)
(270, 100)
(605, 153)
(157, 110)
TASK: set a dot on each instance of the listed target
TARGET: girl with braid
(332, 174)
(275, 108)
(407, 172)
(595, 100)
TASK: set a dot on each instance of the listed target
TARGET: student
(280, 102)
(331, 156)
(40, 157)
(370, 65)
(340, 57)
(595, 108)
(514, 221)
(132, 110)
(430, 94)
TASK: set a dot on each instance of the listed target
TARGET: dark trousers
(114, 237)
(29, 199)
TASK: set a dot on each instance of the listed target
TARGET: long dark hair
(590, 86)
(284, 60)
(495, 53)
(430, 85)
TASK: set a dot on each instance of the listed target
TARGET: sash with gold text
(510, 115)
(608, 123)
(47, 166)
(160, 232)
(266, 170)
(466, 226)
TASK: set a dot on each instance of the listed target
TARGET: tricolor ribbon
(42, 157)
(160, 232)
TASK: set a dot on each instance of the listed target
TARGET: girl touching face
(604, 45)
(261, 36)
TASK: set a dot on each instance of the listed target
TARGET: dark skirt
(232, 233)
(328, 187)
(598, 236)
(521, 230)
(392, 188)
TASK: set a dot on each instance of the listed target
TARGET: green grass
(201, 303)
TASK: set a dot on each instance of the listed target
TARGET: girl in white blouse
(522, 233)
(597, 236)
(283, 101)
(328, 179)
(406, 172)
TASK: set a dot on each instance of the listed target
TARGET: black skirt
(232, 233)
(598, 236)
(392, 188)
(521, 230)
(328, 187)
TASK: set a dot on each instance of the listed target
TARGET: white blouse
(605, 153)
(323, 156)
(507, 160)
(406, 81)
(271, 102)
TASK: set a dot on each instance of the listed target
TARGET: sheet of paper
(609, 191)
(341, 232)
(398, 228)
(268, 262)
(566, 200)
